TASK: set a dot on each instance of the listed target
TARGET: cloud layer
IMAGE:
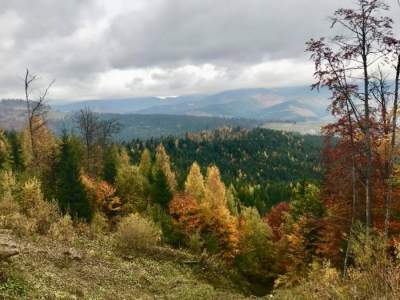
(102, 48)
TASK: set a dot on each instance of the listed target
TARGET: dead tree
(88, 125)
(96, 134)
(36, 109)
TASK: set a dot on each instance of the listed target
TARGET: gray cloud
(102, 48)
(181, 31)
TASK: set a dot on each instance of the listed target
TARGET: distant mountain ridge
(293, 104)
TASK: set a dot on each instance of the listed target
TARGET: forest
(230, 213)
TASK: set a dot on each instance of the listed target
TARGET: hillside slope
(46, 269)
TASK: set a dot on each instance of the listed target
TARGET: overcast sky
(123, 48)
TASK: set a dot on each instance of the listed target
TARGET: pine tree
(161, 192)
(17, 159)
(194, 185)
(70, 191)
(110, 166)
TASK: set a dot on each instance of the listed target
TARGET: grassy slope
(43, 271)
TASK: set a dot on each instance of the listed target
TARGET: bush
(63, 230)
(136, 233)
(98, 225)
(35, 207)
(24, 209)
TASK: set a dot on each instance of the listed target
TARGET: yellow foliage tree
(4, 152)
(39, 149)
(194, 185)
(145, 163)
(131, 185)
(163, 164)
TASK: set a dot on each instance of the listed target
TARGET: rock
(72, 254)
(8, 247)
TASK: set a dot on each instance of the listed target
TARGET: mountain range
(293, 104)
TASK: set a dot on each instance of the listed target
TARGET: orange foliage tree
(102, 196)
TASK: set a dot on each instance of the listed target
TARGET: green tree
(257, 257)
(70, 191)
(161, 192)
(110, 164)
(132, 187)
(17, 158)
(306, 202)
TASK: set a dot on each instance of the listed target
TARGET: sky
(127, 48)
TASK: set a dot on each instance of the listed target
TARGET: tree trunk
(388, 199)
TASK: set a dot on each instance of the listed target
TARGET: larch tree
(145, 164)
(36, 110)
(163, 165)
(5, 152)
(194, 185)
(215, 190)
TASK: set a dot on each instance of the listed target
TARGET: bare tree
(94, 132)
(106, 130)
(36, 109)
(88, 124)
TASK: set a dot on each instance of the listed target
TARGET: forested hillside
(141, 126)
(261, 164)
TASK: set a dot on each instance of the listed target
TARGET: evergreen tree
(306, 201)
(160, 190)
(110, 166)
(70, 191)
(17, 159)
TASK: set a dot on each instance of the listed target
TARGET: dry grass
(44, 272)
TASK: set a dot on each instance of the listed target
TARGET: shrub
(24, 209)
(98, 225)
(35, 207)
(136, 233)
(63, 230)
(19, 224)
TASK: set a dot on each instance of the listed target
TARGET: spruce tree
(17, 158)
(110, 166)
(70, 191)
(160, 190)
